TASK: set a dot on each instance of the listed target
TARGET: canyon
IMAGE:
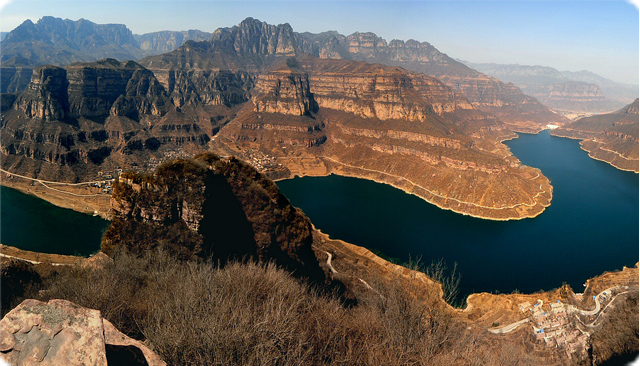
(197, 208)
(252, 91)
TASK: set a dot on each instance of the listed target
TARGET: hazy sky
(599, 36)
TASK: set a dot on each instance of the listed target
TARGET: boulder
(62, 333)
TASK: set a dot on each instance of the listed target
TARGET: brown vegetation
(617, 335)
(199, 313)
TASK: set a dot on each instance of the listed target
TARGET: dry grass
(199, 313)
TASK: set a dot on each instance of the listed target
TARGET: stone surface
(60, 333)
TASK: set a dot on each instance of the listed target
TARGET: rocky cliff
(563, 91)
(210, 206)
(106, 113)
(611, 137)
(486, 93)
(385, 124)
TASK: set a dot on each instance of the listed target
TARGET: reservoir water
(30, 223)
(590, 227)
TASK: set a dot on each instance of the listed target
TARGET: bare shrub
(201, 313)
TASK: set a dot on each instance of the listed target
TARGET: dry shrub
(198, 313)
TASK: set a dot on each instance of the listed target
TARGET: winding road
(571, 309)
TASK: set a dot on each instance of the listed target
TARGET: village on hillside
(558, 325)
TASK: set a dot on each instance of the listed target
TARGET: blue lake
(30, 223)
(590, 227)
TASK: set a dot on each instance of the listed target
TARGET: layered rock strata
(504, 101)
(107, 113)
(384, 124)
(612, 137)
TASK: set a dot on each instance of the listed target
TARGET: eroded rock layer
(384, 124)
(250, 92)
(612, 137)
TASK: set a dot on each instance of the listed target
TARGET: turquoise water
(30, 223)
(590, 227)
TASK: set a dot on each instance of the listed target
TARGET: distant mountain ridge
(167, 41)
(61, 42)
(581, 91)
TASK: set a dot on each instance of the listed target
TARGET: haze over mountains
(59, 42)
(565, 91)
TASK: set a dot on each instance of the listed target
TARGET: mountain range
(252, 91)
(59, 42)
(565, 91)
(290, 103)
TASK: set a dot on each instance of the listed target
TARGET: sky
(598, 36)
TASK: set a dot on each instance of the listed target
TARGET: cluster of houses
(261, 161)
(106, 178)
(553, 326)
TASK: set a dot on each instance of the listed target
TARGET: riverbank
(529, 179)
(78, 197)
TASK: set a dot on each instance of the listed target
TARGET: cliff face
(91, 90)
(106, 112)
(284, 93)
(611, 137)
(385, 124)
(562, 91)
(210, 206)
(486, 93)
(46, 97)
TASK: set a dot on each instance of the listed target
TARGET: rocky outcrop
(106, 87)
(47, 96)
(109, 87)
(210, 206)
(284, 92)
(62, 333)
(252, 36)
(206, 87)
